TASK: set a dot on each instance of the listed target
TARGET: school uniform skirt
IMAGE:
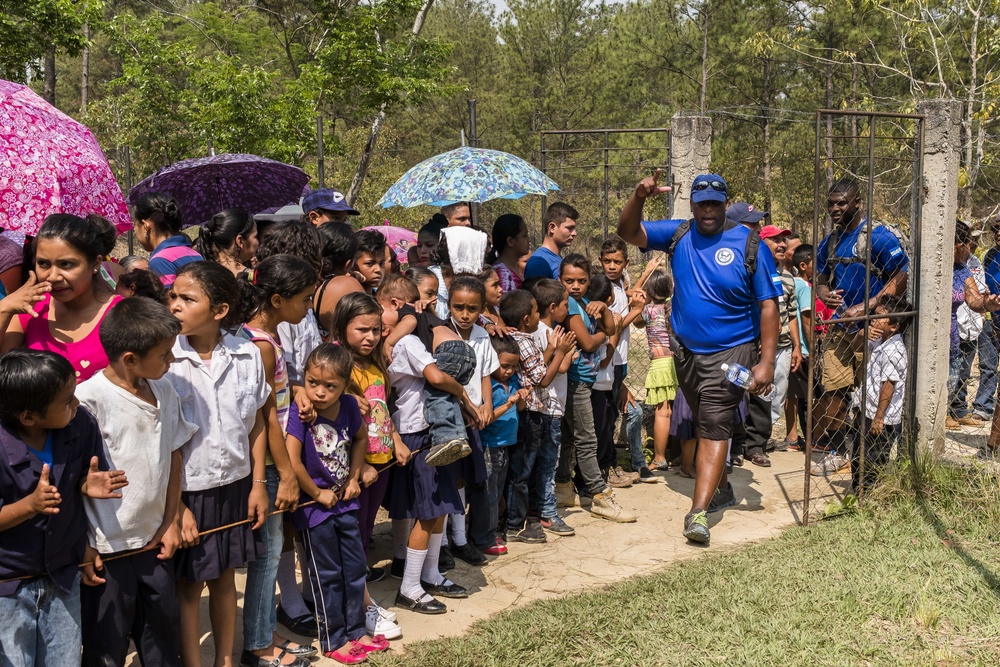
(470, 470)
(224, 549)
(418, 490)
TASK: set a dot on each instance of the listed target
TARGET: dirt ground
(601, 552)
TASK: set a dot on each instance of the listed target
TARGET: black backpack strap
(679, 233)
(750, 254)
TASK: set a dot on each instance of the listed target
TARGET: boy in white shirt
(885, 377)
(139, 415)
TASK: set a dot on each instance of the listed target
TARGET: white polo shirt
(140, 439)
(222, 397)
(620, 306)
(406, 371)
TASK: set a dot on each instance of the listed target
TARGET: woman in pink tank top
(60, 307)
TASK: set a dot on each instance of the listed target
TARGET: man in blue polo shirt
(840, 284)
(719, 313)
(560, 230)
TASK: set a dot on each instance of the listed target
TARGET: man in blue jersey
(841, 285)
(724, 303)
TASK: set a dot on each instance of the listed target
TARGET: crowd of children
(257, 398)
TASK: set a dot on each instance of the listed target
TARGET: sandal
(299, 650)
(662, 465)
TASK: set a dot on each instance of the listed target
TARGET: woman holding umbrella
(61, 306)
(158, 230)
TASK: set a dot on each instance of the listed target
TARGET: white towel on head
(466, 249)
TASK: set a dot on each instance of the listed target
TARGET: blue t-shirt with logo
(991, 267)
(888, 257)
(503, 431)
(715, 304)
(584, 368)
(543, 263)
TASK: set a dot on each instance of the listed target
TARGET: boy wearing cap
(326, 205)
(719, 313)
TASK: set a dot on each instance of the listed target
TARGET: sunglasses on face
(705, 185)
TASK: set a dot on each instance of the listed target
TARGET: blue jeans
(41, 625)
(260, 598)
(542, 497)
(633, 420)
(959, 372)
(441, 409)
(522, 463)
(988, 362)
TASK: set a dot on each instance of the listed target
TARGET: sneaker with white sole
(557, 526)
(831, 465)
(606, 507)
(378, 622)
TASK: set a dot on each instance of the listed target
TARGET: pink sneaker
(379, 643)
(496, 550)
(353, 656)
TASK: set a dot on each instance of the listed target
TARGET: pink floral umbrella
(399, 239)
(50, 163)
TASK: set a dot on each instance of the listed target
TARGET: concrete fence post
(941, 151)
(690, 155)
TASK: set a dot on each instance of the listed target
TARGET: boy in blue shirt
(49, 458)
(582, 320)
(501, 433)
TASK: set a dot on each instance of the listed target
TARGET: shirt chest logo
(724, 257)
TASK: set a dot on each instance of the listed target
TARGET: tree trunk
(376, 127)
(968, 123)
(49, 66)
(706, 9)
(85, 71)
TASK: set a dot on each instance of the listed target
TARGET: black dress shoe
(432, 606)
(304, 626)
(397, 567)
(446, 561)
(375, 574)
(448, 589)
(248, 659)
(470, 554)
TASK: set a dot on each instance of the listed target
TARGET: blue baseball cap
(709, 187)
(741, 211)
(327, 200)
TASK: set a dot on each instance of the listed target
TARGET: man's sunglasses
(705, 185)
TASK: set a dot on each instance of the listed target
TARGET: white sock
(430, 572)
(400, 537)
(300, 553)
(288, 585)
(444, 531)
(457, 520)
(411, 587)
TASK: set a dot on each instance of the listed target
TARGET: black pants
(605, 415)
(878, 450)
(137, 600)
(758, 424)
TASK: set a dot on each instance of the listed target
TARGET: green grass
(910, 579)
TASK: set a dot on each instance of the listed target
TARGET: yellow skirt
(661, 381)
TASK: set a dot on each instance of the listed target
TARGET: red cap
(770, 231)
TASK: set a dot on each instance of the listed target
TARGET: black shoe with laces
(446, 561)
(469, 554)
(532, 533)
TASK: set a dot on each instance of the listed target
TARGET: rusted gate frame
(819, 213)
(607, 150)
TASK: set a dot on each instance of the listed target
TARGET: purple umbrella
(204, 186)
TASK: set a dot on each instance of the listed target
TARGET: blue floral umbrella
(467, 174)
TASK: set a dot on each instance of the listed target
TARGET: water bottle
(742, 377)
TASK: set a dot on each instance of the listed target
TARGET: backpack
(861, 249)
(749, 253)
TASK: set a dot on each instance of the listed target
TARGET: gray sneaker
(696, 527)
(722, 499)
(531, 533)
(831, 465)
(445, 453)
(557, 526)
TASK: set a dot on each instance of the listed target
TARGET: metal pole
(211, 147)
(604, 221)
(473, 143)
(128, 188)
(544, 197)
(321, 166)
(810, 397)
(870, 196)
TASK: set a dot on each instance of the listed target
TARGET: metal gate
(883, 153)
(615, 158)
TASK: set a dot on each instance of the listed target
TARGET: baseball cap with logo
(743, 212)
(770, 231)
(709, 187)
(327, 200)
